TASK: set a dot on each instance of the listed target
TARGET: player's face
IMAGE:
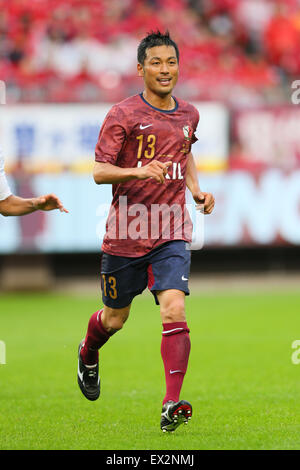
(160, 69)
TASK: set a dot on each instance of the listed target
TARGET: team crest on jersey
(187, 132)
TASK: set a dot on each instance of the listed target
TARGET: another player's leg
(175, 350)
(102, 325)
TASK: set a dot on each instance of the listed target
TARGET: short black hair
(154, 39)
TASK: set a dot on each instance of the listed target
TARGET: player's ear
(140, 70)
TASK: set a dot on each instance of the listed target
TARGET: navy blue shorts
(165, 267)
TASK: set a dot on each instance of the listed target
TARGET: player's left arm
(205, 202)
(14, 205)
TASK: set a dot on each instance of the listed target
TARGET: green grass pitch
(241, 381)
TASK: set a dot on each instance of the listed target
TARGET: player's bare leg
(175, 349)
(172, 305)
(113, 319)
(102, 325)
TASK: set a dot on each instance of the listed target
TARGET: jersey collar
(161, 110)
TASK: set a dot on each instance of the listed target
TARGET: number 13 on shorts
(109, 286)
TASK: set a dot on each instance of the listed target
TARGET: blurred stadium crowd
(239, 52)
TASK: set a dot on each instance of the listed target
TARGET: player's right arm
(107, 173)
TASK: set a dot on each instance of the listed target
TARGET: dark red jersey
(145, 213)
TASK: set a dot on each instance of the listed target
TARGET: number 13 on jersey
(150, 148)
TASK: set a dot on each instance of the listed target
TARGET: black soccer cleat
(175, 413)
(88, 378)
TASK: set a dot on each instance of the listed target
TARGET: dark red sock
(175, 351)
(96, 336)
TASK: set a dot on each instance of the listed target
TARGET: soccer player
(144, 151)
(14, 205)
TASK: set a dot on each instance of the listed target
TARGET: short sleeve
(112, 137)
(4, 188)
(195, 125)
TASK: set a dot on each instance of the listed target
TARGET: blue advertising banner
(248, 212)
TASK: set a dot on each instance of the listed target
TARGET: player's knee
(114, 321)
(115, 324)
(173, 312)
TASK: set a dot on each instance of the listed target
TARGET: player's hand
(155, 169)
(48, 203)
(205, 202)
